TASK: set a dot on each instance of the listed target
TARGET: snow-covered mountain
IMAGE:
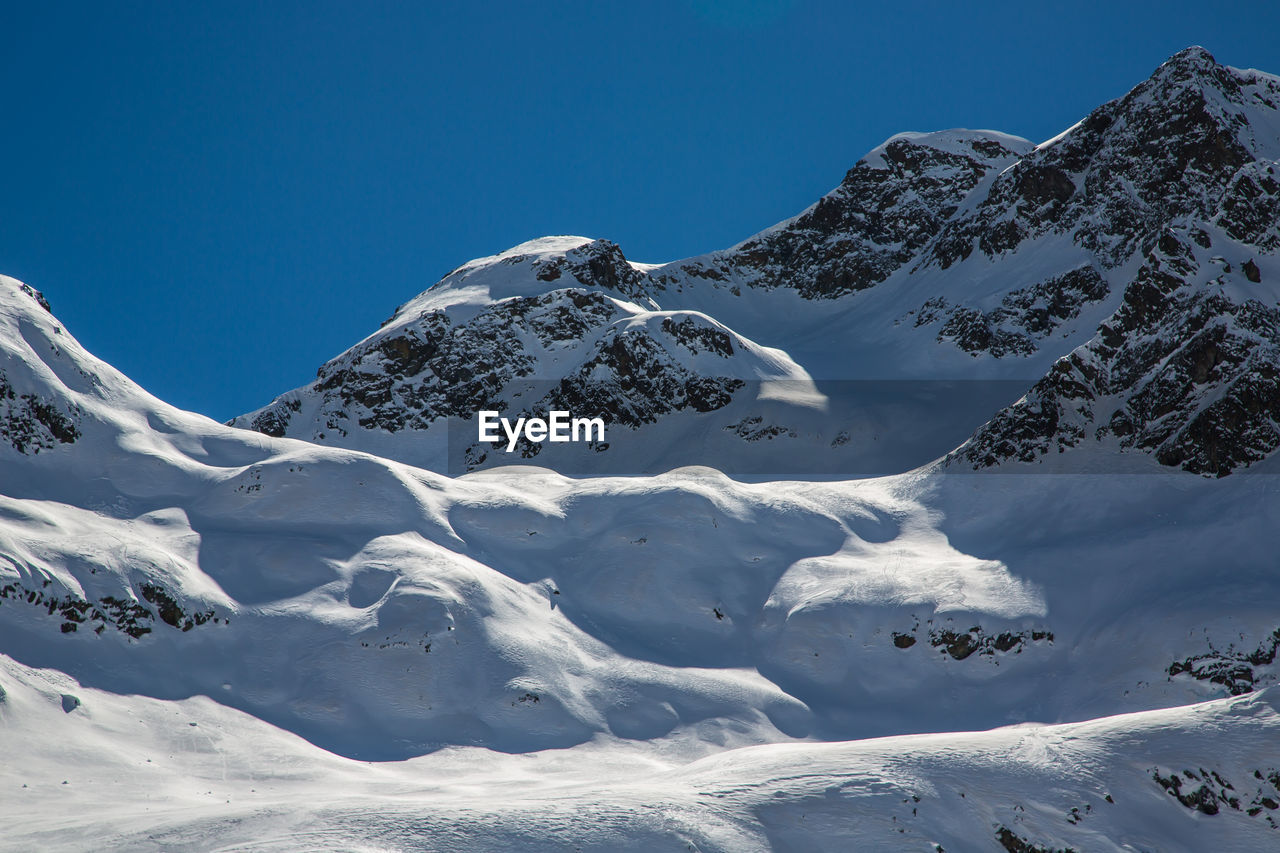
(966, 256)
(214, 637)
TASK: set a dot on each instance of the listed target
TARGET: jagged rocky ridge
(1188, 370)
(1166, 151)
(612, 360)
(435, 368)
(1061, 235)
(890, 206)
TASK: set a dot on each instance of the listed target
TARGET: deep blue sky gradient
(218, 197)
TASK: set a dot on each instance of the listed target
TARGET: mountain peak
(530, 269)
(1193, 68)
(1191, 58)
(982, 144)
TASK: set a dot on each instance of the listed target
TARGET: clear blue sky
(218, 197)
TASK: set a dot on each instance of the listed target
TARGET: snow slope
(384, 612)
(143, 775)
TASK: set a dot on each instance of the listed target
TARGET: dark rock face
(1250, 209)
(754, 428)
(1234, 669)
(434, 368)
(1180, 371)
(37, 296)
(1210, 792)
(883, 213)
(696, 337)
(1015, 843)
(599, 264)
(30, 424)
(1187, 369)
(634, 376)
(1025, 316)
(1166, 150)
(963, 644)
(644, 380)
(124, 614)
(275, 421)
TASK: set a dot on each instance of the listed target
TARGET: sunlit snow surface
(454, 631)
(132, 773)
